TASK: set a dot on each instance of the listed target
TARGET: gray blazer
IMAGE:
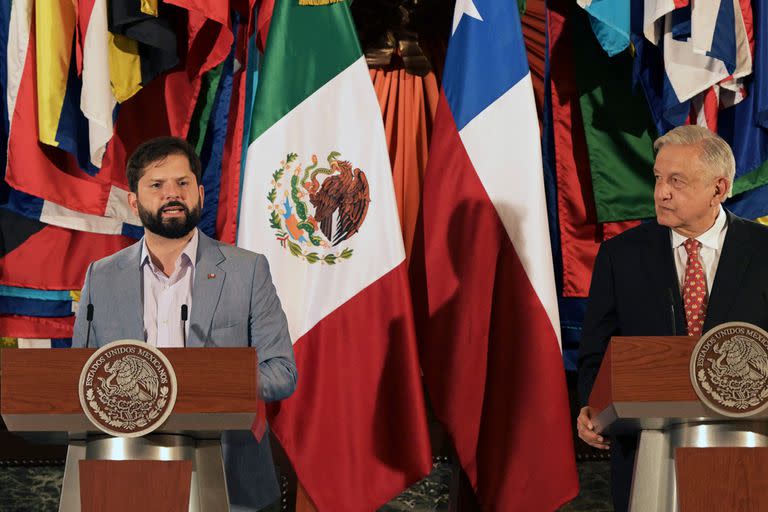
(234, 303)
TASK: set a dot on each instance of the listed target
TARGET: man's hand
(586, 429)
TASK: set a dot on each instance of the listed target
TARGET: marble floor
(30, 488)
(595, 493)
(36, 489)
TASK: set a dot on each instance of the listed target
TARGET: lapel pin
(211, 276)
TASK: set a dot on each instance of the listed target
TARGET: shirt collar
(710, 238)
(187, 256)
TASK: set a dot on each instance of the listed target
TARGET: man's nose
(171, 190)
(663, 191)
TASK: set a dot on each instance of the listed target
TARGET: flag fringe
(319, 2)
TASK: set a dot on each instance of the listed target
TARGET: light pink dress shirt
(164, 296)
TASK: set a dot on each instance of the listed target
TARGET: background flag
(490, 353)
(318, 201)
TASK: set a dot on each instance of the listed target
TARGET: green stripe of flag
(198, 127)
(307, 47)
(618, 128)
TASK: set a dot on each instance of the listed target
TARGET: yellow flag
(54, 32)
(124, 67)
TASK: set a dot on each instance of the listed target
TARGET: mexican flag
(318, 201)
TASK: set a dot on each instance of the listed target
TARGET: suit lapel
(206, 290)
(129, 281)
(660, 264)
(730, 271)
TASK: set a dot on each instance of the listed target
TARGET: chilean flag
(490, 348)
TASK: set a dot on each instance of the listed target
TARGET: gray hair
(714, 152)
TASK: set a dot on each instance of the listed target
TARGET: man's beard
(173, 227)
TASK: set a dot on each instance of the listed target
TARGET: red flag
(56, 259)
(16, 326)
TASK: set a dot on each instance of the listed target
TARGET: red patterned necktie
(694, 289)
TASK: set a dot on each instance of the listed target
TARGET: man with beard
(139, 293)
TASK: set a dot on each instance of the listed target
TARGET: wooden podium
(689, 458)
(176, 468)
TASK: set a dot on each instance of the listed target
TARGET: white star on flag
(464, 7)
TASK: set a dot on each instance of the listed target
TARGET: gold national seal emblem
(127, 388)
(729, 369)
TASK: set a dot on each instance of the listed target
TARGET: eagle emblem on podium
(315, 209)
(729, 369)
(131, 378)
(127, 388)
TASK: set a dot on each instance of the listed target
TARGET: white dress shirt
(709, 254)
(164, 296)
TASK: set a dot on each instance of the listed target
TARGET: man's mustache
(174, 204)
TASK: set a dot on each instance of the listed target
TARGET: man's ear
(721, 189)
(133, 202)
(202, 196)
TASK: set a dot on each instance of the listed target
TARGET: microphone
(673, 317)
(89, 317)
(184, 316)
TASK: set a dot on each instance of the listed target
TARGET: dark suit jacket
(635, 289)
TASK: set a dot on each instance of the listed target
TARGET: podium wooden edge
(600, 398)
